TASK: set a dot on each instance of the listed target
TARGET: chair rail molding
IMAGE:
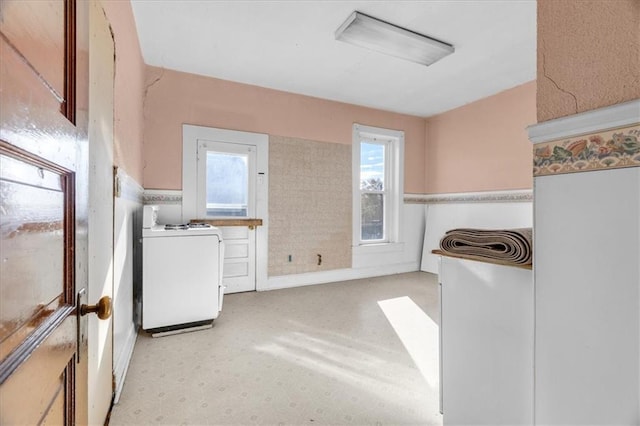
(607, 118)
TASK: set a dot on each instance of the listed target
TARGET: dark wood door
(43, 188)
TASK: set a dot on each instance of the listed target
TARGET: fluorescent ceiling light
(371, 33)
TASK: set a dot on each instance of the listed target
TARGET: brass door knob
(102, 308)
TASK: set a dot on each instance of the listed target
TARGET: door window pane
(372, 219)
(227, 184)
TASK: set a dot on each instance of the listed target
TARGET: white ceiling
(289, 45)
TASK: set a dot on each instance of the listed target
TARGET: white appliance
(182, 275)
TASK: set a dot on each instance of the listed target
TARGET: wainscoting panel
(127, 273)
(587, 277)
(404, 257)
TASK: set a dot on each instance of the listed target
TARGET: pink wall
(129, 88)
(587, 55)
(174, 98)
(482, 146)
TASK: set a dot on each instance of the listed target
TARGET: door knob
(102, 308)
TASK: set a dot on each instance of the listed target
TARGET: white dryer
(182, 275)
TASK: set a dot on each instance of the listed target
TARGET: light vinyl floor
(362, 352)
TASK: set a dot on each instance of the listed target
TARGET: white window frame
(394, 182)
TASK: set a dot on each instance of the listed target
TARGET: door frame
(191, 134)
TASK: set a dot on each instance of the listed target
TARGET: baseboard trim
(312, 278)
(121, 366)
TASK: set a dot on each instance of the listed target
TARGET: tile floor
(323, 354)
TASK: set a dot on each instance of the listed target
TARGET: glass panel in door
(227, 184)
(226, 180)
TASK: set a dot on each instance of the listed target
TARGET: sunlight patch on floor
(348, 365)
(418, 333)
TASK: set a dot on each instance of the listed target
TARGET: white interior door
(226, 189)
(100, 220)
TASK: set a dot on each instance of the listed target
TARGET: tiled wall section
(306, 178)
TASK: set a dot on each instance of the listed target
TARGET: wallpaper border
(162, 196)
(519, 195)
(604, 150)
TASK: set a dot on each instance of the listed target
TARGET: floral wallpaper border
(612, 149)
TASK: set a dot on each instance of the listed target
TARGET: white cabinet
(487, 343)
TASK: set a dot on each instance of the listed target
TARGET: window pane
(227, 184)
(372, 210)
(372, 166)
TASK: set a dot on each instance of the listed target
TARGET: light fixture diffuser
(371, 33)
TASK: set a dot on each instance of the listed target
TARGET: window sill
(378, 248)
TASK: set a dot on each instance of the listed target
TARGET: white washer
(182, 276)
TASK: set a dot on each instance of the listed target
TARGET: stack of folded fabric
(506, 246)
